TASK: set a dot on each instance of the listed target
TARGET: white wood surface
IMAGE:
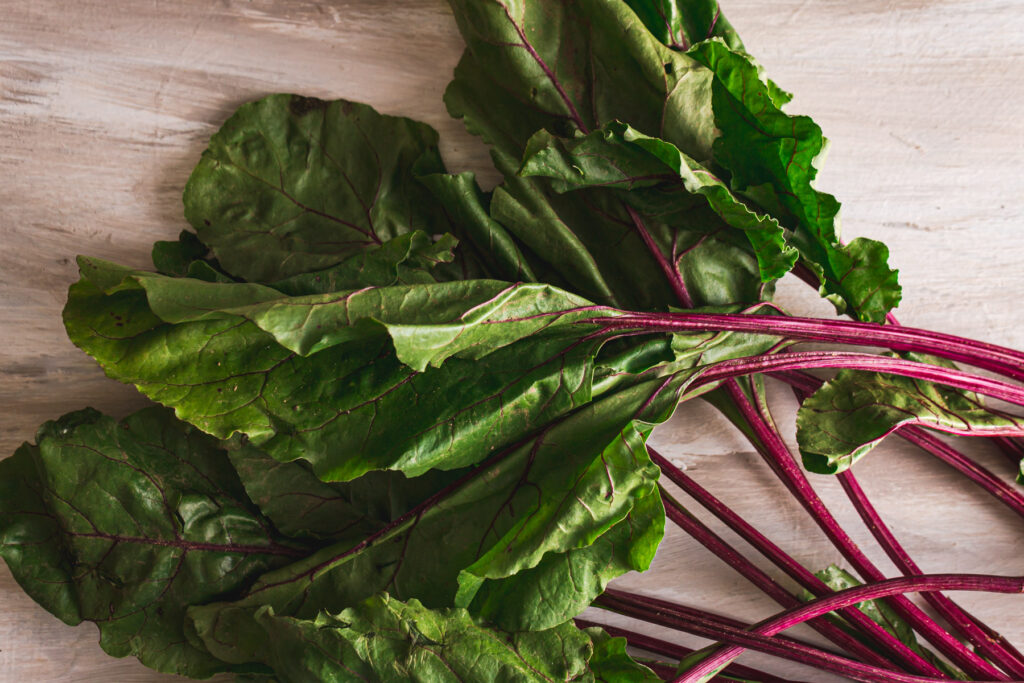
(105, 107)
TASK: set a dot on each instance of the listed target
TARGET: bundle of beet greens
(402, 425)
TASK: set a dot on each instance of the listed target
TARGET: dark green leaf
(683, 23)
(294, 184)
(618, 156)
(127, 524)
(558, 492)
(572, 67)
(469, 210)
(174, 258)
(411, 258)
(302, 506)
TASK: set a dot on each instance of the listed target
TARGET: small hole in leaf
(669, 68)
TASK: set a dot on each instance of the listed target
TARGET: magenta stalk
(664, 648)
(748, 570)
(772, 448)
(850, 596)
(907, 657)
(807, 360)
(988, 641)
(999, 359)
(706, 625)
(982, 639)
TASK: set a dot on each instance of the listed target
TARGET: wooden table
(105, 107)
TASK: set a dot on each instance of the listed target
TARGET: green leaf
(174, 258)
(563, 584)
(468, 208)
(224, 355)
(570, 68)
(386, 640)
(188, 257)
(127, 524)
(559, 491)
(427, 323)
(411, 258)
(354, 406)
(683, 23)
(300, 505)
(293, 184)
(772, 159)
(611, 663)
(854, 412)
(619, 157)
(885, 616)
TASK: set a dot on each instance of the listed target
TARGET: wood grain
(105, 108)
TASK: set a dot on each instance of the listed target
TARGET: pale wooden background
(105, 107)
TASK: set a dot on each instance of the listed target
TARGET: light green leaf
(612, 664)
(355, 406)
(772, 159)
(386, 640)
(855, 411)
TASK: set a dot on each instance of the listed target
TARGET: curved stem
(999, 359)
(666, 649)
(777, 454)
(799, 573)
(850, 596)
(737, 367)
(706, 625)
(748, 570)
(992, 646)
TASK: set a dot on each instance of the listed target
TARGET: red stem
(1006, 494)
(903, 654)
(737, 367)
(778, 456)
(748, 570)
(707, 625)
(851, 596)
(999, 359)
(677, 652)
(991, 646)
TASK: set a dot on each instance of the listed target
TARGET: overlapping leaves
(386, 640)
(228, 358)
(425, 473)
(129, 525)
